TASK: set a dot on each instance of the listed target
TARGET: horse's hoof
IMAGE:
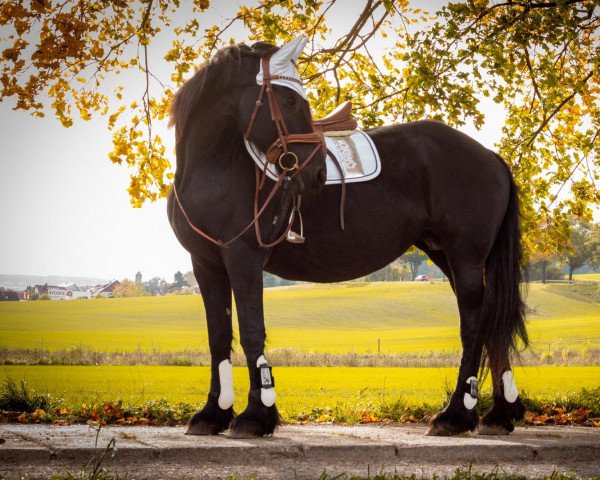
(211, 420)
(493, 430)
(449, 423)
(498, 419)
(493, 423)
(246, 427)
(249, 425)
(256, 421)
(442, 430)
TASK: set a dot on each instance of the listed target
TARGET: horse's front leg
(217, 414)
(245, 267)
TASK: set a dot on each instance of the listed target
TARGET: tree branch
(559, 107)
(575, 167)
(536, 89)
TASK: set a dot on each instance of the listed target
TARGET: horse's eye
(290, 100)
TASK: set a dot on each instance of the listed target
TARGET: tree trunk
(544, 266)
(571, 270)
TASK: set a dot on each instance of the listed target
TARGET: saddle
(339, 120)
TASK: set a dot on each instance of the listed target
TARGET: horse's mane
(212, 79)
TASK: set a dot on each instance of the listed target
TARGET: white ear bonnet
(282, 63)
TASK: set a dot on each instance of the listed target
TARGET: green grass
(406, 317)
(300, 390)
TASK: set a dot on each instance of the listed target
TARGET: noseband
(278, 153)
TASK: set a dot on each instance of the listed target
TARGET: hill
(402, 318)
(21, 282)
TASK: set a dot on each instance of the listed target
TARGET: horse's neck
(209, 149)
(216, 174)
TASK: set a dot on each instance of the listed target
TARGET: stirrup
(293, 237)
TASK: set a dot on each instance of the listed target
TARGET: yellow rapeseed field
(299, 389)
(351, 317)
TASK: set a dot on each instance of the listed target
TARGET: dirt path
(305, 451)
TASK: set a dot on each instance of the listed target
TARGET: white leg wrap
(470, 397)
(267, 395)
(510, 387)
(226, 396)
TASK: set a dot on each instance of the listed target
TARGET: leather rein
(277, 153)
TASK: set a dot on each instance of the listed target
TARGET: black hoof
(498, 419)
(256, 421)
(211, 420)
(451, 422)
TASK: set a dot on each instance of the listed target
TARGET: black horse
(438, 190)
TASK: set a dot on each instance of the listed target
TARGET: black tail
(503, 309)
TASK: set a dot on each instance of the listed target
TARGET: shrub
(19, 398)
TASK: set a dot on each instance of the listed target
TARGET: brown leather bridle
(278, 151)
(279, 154)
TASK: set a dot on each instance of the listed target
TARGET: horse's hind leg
(498, 420)
(461, 413)
(217, 413)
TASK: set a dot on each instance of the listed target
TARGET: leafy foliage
(414, 259)
(179, 280)
(539, 59)
(128, 288)
(20, 398)
(576, 408)
(580, 249)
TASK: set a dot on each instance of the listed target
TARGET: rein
(277, 153)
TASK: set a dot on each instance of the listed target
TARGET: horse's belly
(373, 237)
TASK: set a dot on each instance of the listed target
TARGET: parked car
(421, 278)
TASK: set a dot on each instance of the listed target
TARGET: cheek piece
(267, 382)
(226, 396)
(471, 393)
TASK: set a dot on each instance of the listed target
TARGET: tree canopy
(539, 59)
(584, 246)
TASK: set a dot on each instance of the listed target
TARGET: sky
(65, 207)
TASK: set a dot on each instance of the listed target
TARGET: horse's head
(258, 91)
(274, 115)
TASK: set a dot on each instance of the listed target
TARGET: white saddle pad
(356, 153)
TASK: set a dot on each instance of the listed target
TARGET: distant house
(59, 292)
(9, 296)
(70, 286)
(105, 291)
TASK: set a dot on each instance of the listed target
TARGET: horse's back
(463, 185)
(435, 148)
(434, 181)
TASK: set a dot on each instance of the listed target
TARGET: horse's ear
(283, 67)
(300, 47)
(289, 52)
